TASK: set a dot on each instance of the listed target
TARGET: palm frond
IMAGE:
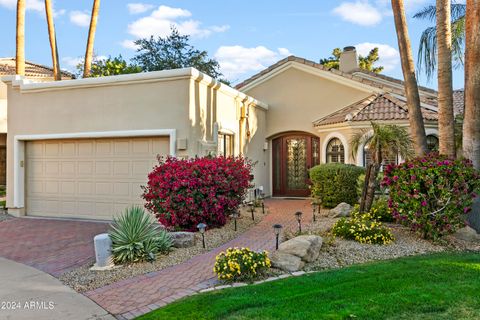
(428, 13)
(427, 52)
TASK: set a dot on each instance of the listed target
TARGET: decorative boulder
(286, 262)
(467, 234)
(183, 239)
(341, 210)
(315, 245)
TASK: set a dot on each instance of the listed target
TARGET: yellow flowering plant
(363, 228)
(241, 264)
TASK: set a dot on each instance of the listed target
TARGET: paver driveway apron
(27, 293)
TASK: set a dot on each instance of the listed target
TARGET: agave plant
(136, 237)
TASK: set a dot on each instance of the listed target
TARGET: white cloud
(129, 44)
(359, 12)
(159, 22)
(389, 56)
(36, 5)
(80, 18)
(237, 60)
(136, 8)
(72, 62)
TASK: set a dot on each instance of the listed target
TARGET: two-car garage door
(88, 178)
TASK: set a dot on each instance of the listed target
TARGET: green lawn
(441, 286)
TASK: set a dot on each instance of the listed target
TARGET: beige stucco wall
(195, 106)
(296, 98)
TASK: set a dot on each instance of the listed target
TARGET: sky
(244, 36)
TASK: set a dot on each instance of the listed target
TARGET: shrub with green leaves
(381, 211)
(137, 237)
(363, 228)
(241, 264)
(432, 194)
(333, 183)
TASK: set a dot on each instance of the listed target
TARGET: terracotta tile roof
(374, 108)
(362, 76)
(458, 102)
(32, 70)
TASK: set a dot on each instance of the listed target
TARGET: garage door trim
(19, 151)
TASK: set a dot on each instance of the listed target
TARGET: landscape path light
(201, 227)
(314, 207)
(251, 204)
(298, 215)
(235, 216)
(262, 198)
(277, 228)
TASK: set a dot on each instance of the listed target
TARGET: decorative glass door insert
(297, 173)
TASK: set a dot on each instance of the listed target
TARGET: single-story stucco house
(33, 71)
(82, 148)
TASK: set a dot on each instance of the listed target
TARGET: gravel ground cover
(83, 279)
(3, 216)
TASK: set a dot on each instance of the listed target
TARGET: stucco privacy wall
(298, 95)
(184, 103)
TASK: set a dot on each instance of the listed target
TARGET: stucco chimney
(348, 59)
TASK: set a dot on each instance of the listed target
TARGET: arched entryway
(292, 155)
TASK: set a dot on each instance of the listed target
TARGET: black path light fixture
(251, 204)
(298, 215)
(314, 208)
(235, 215)
(277, 228)
(201, 227)
(262, 201)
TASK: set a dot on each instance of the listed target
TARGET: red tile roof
(32, 70)
(374, 108)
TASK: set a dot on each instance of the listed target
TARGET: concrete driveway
(52, 246)
(27, 293)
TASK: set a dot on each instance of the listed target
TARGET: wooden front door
(293, 156)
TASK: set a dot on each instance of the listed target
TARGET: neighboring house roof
(458, 102)
(380, 81)
(374, 108)
(32, 70)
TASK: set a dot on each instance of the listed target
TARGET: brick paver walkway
(52, 246)
(141, 294)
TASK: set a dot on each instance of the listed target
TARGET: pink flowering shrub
(183, 193)
(433, 194)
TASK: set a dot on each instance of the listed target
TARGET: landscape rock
(341, 210)
(315, 245)
(183, 239)
(286, 262)
(305, 247)
(467, 234)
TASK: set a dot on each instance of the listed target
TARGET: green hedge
(334, 183)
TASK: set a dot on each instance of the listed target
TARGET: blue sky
(244, 36)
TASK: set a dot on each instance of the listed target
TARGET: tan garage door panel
(90, 178)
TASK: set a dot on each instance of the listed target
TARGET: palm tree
(383, 141)
(20, 39)
(411, 86)
(471, 124)
(53, 40)
(446, 120)
(91, 38)
(427, 50)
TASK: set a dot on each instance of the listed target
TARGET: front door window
(293, 155)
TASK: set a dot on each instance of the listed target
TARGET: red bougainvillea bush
(184, 192)
(432, 194)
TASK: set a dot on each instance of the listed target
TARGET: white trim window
(335, 151)
(226, 144)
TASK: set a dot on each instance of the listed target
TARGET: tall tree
(20, 39)
(365, 63)
(173, 52)
(53, 40)
(417, 126)
(383, 141)
(91, 39)
(427, 50)
(471, 124)
(446, 120)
